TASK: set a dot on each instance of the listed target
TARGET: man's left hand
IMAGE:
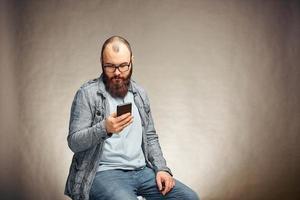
(165, 182)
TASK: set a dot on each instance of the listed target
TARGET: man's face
(117, 80)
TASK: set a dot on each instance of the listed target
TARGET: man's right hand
(114, 124)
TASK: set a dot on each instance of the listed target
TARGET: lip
(117, 80)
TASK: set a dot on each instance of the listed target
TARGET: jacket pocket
(98, 116)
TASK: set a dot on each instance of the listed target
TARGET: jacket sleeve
(155, 154)
(82, 134)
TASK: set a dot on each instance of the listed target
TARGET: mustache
(117, 77)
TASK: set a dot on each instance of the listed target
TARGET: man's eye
(124, 65)
(110, 66)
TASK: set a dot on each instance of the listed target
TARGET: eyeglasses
(111, 68)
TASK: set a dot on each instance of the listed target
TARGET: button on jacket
(87, 134)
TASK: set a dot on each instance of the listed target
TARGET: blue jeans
(128, 184)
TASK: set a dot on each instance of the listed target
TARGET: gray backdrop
(223, 79)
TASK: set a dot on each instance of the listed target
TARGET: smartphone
(123, 108)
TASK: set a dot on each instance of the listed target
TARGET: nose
(117, 72)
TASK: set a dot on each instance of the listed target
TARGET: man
(117, 158)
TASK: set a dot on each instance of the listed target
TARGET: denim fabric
(128, 184)
(87, 134)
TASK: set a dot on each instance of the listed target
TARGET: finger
(128, 123)
(174, 183)
(120, 128)
(167, 186)
(125, 121)
(159, 183)
(164, 186)
(114, 115)
(122, 117)
(171, 184)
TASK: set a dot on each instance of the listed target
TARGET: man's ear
(132, 58)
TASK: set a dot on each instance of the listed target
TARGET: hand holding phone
(116, 122)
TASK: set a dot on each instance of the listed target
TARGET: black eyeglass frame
(106, 66)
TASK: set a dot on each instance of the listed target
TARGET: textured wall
(9, 106)
(223, 80)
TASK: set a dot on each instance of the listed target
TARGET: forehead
(116, 52)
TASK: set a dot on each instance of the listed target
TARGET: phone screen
(123, 108)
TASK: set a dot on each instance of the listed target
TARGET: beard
(117, 86)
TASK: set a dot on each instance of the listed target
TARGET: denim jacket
(87, 134)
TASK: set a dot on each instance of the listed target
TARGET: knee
(193, 196)
(185, 192)
(190, 195)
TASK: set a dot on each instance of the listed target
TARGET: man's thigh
(112, 185)
(149, 189)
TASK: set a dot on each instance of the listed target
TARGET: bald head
(114, 47)
(116, 51)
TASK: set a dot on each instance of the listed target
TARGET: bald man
(117, 157)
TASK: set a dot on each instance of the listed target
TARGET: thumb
(114, 114)
(158, 181)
